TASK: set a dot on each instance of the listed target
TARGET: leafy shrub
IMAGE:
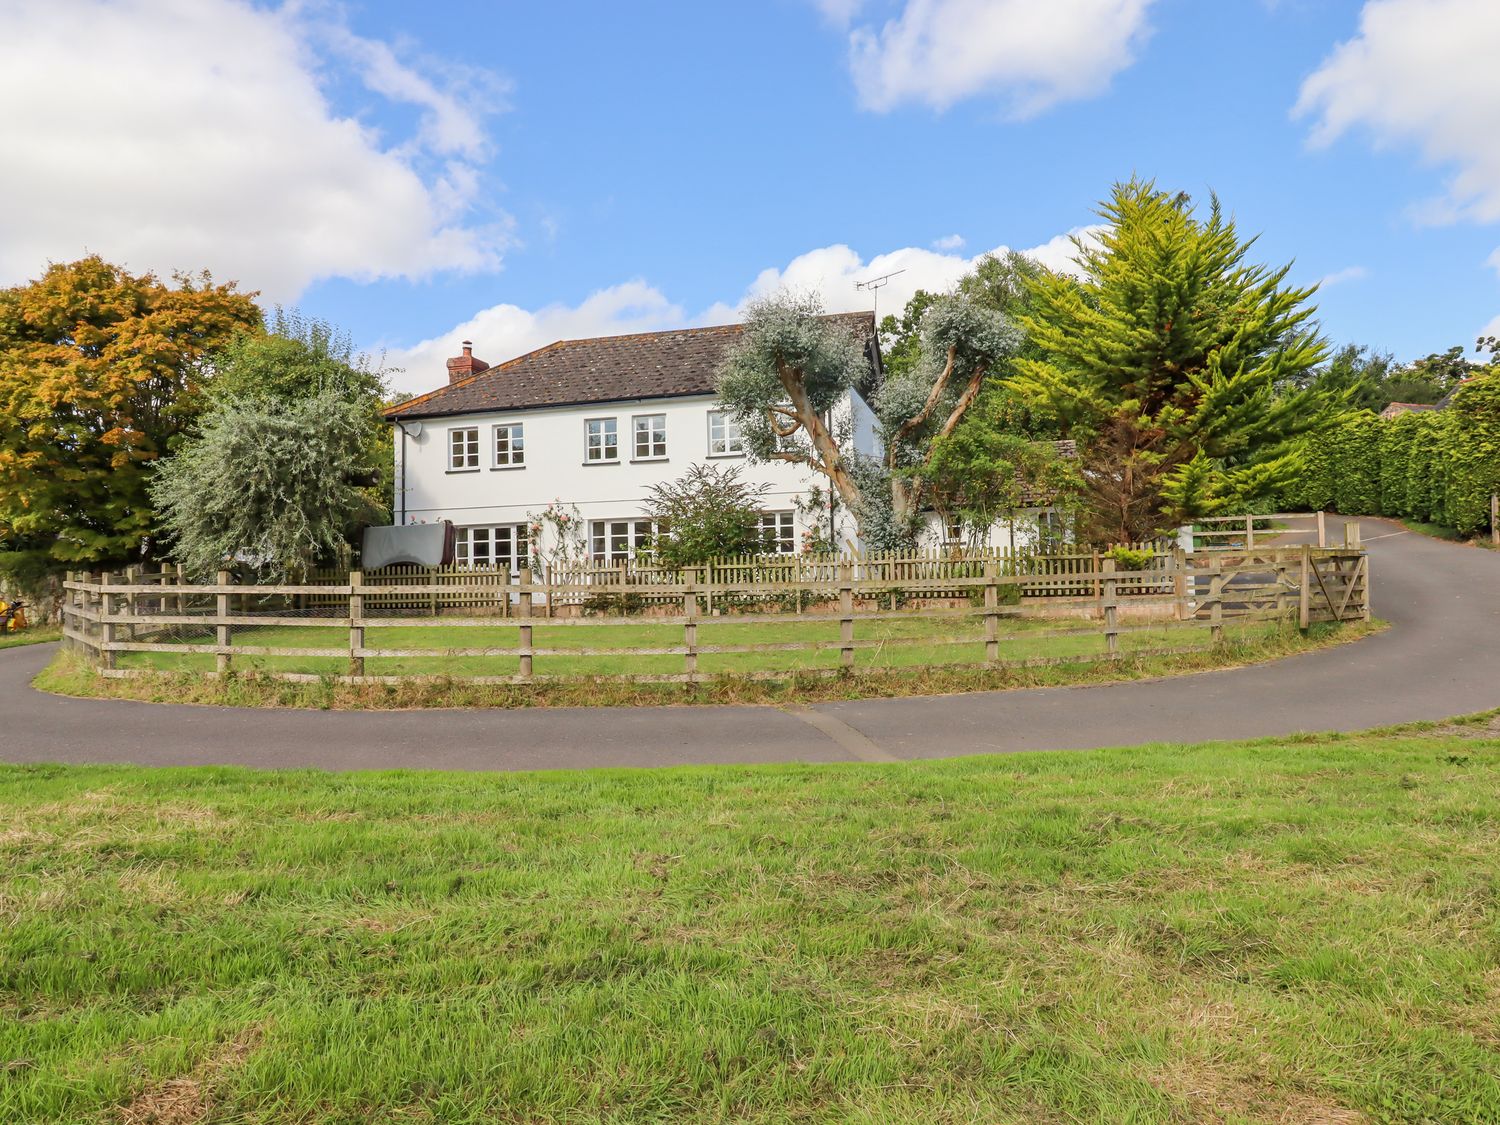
(1437, 466)
(707, 513)
(613, 603)
(1128, 559)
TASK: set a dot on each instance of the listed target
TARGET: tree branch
(772, 411)
(936, 393)
(829, 461)
(965, 400)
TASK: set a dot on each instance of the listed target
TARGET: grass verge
(35, 636)
(894, 643)
(1438, 531)
(70, 675)
(1303, 930)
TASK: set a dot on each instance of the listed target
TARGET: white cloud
(949, 242)
(841, 12)
(171, 134)
(504, 331)
(1027, 54)
(1338, 277)
(1420, 73)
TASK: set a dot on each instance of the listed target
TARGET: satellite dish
(413, 429)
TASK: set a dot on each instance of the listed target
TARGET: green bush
(1127, 559)
(613, 603)
(1471, 455)
(1437, 466)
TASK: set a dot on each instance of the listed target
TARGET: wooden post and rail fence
(110, 616)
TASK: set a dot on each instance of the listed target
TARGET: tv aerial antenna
(875, 285)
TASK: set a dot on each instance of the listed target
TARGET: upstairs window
(723, 435)
(650, 437)
(602, 437)
(510, 446)
(463, 448)
(778, 532)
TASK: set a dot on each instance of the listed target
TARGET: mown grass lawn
(1279, 931)
(1018, 642)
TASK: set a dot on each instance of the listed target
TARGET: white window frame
(514, 454)
(463, 449)
(516, 536)
(778, 529)
(618, 540)
(655, 435)
(732, 446)
(612, 433)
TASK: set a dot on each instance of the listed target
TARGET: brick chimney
(462, 366)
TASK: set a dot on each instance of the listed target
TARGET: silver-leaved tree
(273, 485)
(786, 379)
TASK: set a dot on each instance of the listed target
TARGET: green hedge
(1439, 466)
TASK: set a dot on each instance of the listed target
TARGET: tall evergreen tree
(1169, 363)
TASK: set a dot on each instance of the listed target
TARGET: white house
(592, 424)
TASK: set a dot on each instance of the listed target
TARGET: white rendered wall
(1024, 533)
(555, 468)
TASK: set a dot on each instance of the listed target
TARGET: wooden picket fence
(566, 587)
(108, 615)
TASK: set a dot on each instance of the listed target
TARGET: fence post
(106, 627)
(1322, 529)
(1351, 534)
(1179, 581)
(991, 611)
(177, 577)
(1366, 614)
(356, 622)
(1216, 614)
(525, 628)
(81, 616)
(1249, 533)
(1111, 633)
(1280, 584)
(221, 630)
(132, 578)
(846, 617)
(690, 623)
(1304, 593)
(1495, 518)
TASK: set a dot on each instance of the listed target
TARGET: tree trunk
(830, 460)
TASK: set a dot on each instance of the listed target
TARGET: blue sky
(515, 172)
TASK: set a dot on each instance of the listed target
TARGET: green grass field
(1018, 642)
(1279, 931)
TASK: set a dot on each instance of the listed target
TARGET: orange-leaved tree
(101, 371)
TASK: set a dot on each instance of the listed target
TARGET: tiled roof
(600, 369)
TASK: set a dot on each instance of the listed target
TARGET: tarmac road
(1441, 657)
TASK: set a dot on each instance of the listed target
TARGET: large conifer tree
(1170, 362)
